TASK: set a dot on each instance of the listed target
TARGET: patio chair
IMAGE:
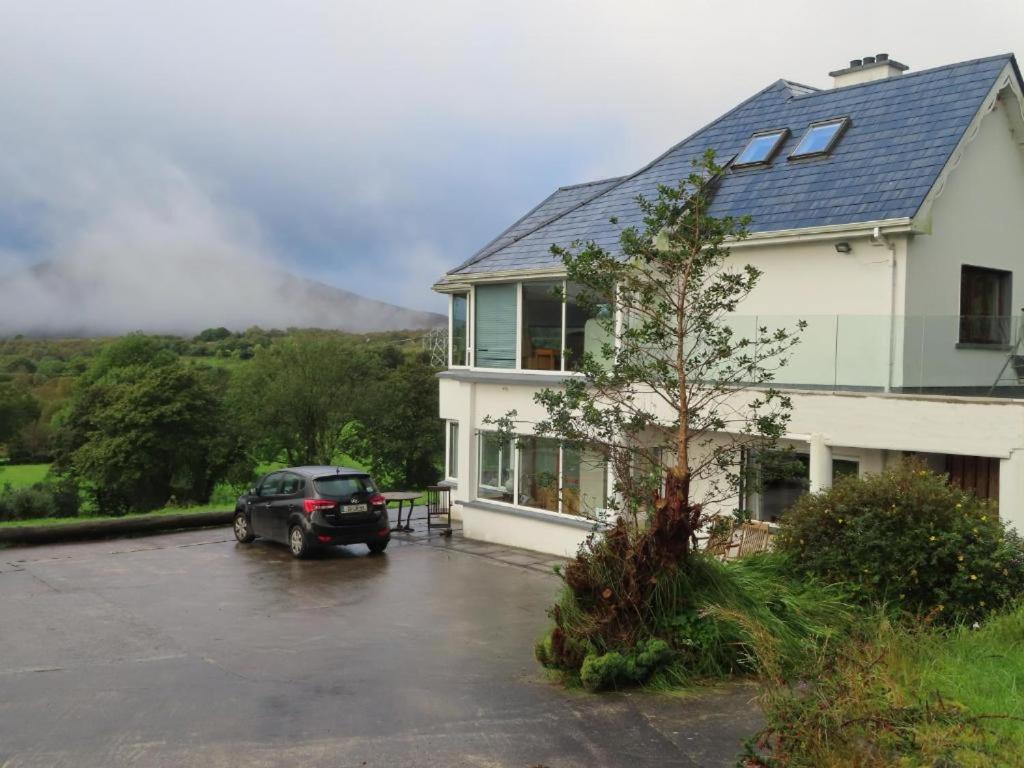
(755, 536)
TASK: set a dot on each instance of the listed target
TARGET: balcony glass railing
(915, 353)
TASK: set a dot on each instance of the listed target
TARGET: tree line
(144, 421)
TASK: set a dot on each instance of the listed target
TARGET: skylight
(821, 137)
(761, 148)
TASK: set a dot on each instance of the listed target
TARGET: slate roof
(550, 208)
(903, 130)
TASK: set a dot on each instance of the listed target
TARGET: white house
(888, 213)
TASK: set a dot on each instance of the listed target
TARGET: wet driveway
(188, 649)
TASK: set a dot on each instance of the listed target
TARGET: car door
(288, 500)
(259, 508)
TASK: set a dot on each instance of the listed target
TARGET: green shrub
(700, 622)
(39, 500)
(908, 538)
(617, 670)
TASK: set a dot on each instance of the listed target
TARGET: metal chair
(439, 506)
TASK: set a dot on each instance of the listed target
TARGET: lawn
(22, 475)
(982, 669)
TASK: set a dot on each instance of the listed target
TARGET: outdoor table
(401, 497)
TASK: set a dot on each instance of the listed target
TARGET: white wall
(977, 219)
(845, 299)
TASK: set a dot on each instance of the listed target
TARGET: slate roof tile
(902, 131)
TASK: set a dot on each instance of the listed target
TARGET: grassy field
(22, 475)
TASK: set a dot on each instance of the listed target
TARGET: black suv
(307, 506)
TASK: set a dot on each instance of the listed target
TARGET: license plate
(345, 508)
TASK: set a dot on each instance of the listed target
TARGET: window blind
(495, 336)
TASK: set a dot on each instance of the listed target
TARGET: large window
(542, 326)
(538, 472)
(550, 333)
(585, 329)
(495, 468)
(460, 328)
(453, 449)
(584, 482)
(495, 326)
(984, 305)
(779, 477)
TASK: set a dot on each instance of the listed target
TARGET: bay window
(538, 325)
(540, 473)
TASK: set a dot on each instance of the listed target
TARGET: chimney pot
(865, 70)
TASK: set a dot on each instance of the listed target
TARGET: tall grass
(717, 619)
(894, 695)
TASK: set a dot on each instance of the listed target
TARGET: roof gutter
(904, 225)
(883, 227)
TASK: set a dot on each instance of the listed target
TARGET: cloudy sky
(373, 145)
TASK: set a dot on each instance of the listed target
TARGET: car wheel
(377, 547)
(297, 542)
(243, 531)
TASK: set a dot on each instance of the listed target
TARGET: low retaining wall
(102, 529)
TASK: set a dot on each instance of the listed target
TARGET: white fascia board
(1006, 80)
(461, 281)
(824, 233)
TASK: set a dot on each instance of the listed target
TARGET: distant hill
(82, 299)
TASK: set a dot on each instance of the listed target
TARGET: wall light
(843, 247)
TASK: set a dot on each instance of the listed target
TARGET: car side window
(271, 485)
(290, 485)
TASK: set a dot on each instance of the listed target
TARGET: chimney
(877, 67)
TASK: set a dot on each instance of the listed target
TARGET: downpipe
(879, 239)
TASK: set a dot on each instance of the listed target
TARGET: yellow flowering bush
(910, 539)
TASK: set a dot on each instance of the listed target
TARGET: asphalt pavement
(189, 649)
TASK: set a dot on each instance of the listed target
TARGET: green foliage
(298, 396)
(705, 619)
(18, 408)
(898, 696)
(614, 670)
(908, 538)
(144, 429)
(675, 346)
(39, 500)
(401, 439)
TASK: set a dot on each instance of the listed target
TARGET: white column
(821, 464)
(1011, 490)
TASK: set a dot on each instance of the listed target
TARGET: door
(259, 508)
(288, 500)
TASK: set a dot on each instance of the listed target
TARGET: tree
(673, 375)
(18, 409)
(297, 397)
(143, 428)
(401, 437)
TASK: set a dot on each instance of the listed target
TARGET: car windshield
(344, 486)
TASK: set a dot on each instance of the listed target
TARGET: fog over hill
(177, 267)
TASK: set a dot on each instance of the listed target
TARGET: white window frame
(448, 449)
(451, 328)
(515, 467)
